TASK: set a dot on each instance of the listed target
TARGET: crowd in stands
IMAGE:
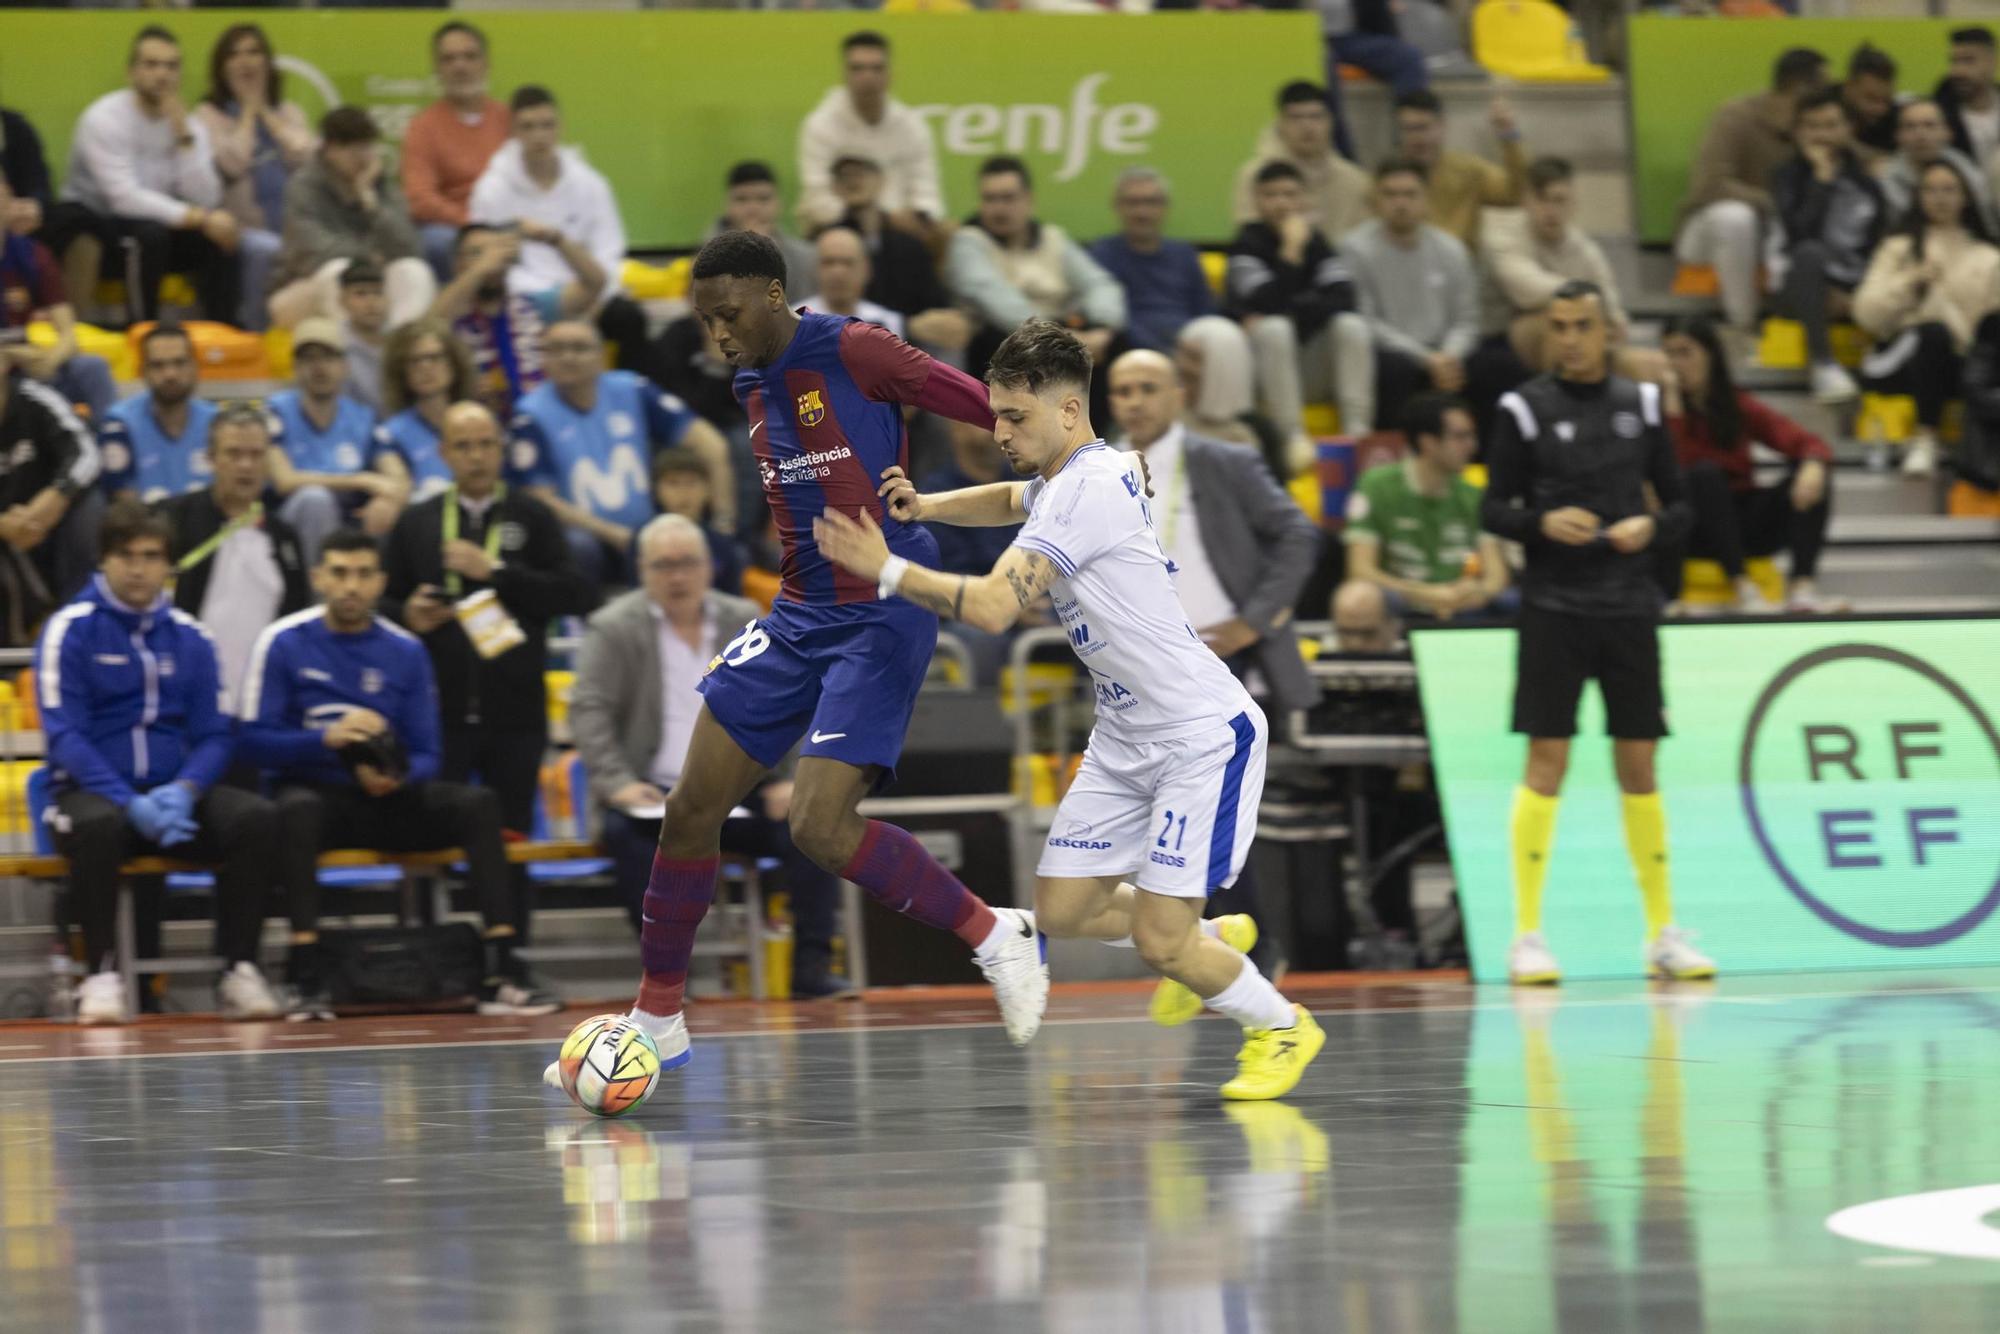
(485, 434)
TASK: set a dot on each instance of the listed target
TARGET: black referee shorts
(1556, 653)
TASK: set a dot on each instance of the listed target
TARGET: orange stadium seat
(223, 351)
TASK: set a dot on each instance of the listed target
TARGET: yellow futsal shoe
(1173, 1004)
(1273, 1059)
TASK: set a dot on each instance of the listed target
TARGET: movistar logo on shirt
(606, 490)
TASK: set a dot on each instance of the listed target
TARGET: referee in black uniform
(1583, 476)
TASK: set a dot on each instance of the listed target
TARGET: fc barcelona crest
(812, 410)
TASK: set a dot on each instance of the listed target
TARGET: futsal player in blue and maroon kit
(836, 662)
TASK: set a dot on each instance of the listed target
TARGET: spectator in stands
(324, 438)
(364, 323)
(1529, 257)
(1729, 197)
(259, 141)
(141, 169)
(236, 568)
(1164, 284)
(49, 509)
(425, 369)
(751, 204)
(860, 120)
(1242, 549)
(902, 275)
(449, 142)
(591, 434)
(478, 573)
(682, 485)
(1413, 526)
(1336, 191)
(341, 209)
(1925, 293)
(1968, 97)
(1363, 33)
(1362, 621)
(1461, 184)
(687, 365)
(534, 179)
(633, 713)
(1830, 217)
(1219, 386)
(1870, 98)
(31, 289)
(341, 712)
(1290, 288)
(842, 260)
(1921, 139)
(1417, 292)
(1008, 266)
(155, 443)
(1977, 461)
(1714, 425)
(137, 756)
(25, 170)
(500, 320)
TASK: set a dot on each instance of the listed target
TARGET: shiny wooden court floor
(1612, 1158)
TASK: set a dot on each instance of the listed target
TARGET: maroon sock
(898, 873)
(677, 897)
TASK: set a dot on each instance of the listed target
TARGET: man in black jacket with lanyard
(237, 567)
(49, 509)
(478, 572)
(1576, 453)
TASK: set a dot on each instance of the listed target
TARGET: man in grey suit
(632, 714)
(1240, 547)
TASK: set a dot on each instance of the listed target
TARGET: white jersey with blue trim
(1114, 594)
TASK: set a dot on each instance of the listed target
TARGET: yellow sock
(1646, 840)
(1532, 832)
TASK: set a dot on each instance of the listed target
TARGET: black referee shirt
(1597, 447)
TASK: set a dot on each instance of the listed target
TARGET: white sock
(1004, 925)
(653, 1025)
(1252, 1001)
(1209, 928)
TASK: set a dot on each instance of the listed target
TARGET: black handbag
(431, 967)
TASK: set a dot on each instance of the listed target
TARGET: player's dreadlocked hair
(740, 255)
(1037, 355)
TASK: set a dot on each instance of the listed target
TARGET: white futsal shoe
(670, 1035)
(1529, 962)
(1672, 956)
(100, 999)
(1019, 972)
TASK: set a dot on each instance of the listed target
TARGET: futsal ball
(609, 1065)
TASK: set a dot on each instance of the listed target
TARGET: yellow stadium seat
(1322, 420)
(1305, 490)
(278, 353)
(1215, 267)
(1886, 417)
(1531, 40)
(1475, 475)
(656, 282)
(1782, 345)
(1850, 344)
(97, 342)
(1046, 680)
(1703, 583)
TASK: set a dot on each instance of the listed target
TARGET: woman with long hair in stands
(1213, 359)
(258, 140)
(1927, 289)
(425, 369)
(1713, 424)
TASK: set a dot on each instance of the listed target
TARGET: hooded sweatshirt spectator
(536, 178)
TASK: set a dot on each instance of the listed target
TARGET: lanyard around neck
(452, 583)
(253, 515)
(1174, 496)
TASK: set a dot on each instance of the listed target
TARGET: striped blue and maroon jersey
(826, 418)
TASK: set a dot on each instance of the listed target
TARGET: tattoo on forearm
(958, 601)
(929, 599)
(1028, 584)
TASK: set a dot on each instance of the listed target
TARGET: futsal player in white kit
(1165, 804)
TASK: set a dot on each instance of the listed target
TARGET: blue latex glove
(148, 815)
(177, 801)
(180, 829)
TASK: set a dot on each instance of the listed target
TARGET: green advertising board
(1681, 70)
(664, 101)
(1832, 790)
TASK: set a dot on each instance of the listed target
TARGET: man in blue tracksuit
(340, 709)
(137, 744)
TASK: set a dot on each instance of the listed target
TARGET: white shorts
(1180, 813)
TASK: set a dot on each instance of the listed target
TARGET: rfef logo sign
(1868, 779)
